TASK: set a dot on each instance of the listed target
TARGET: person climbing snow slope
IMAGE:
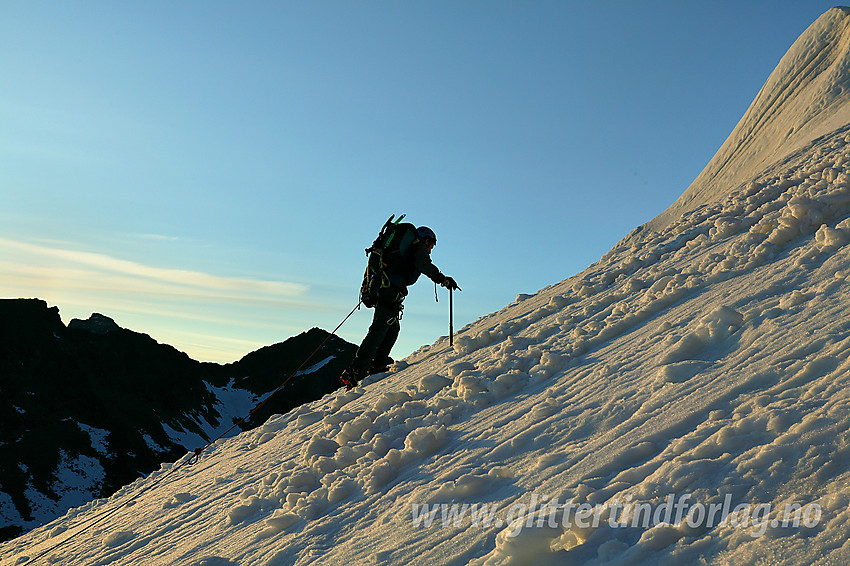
(397, 258)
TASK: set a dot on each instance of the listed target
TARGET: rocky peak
(96, 324)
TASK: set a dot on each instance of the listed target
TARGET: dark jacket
(419, 263)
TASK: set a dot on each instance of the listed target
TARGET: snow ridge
(805, 97)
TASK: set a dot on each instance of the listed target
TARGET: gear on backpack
(387, 255)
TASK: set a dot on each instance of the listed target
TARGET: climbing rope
(198, 451)
(194, 457)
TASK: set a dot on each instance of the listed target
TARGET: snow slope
(805, 97)
(683, 399)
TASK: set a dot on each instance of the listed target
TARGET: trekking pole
(451, 320)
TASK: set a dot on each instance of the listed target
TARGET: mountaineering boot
(378, 366)
(349, 378)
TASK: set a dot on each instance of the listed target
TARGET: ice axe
(451, 318)
(451, 311)
(452, 315)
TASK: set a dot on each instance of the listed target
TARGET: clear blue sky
(210, 172)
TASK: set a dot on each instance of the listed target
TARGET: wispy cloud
(210, 316)
(99, 272)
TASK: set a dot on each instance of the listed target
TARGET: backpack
(389, 255)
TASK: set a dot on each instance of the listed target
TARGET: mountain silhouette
(90, 407)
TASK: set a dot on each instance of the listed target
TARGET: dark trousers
(382, 333)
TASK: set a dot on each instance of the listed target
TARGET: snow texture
(708, 362)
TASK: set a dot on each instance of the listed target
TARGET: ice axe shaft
(451, 318)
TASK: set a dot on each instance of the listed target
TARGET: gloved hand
(450, 283)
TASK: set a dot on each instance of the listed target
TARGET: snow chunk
(464, 345)
(275, 424)
(278, 523)
(680, 371)
(241, 513)
(508, 383)
(353, 429)
(176, 500)
(558, 302)
(717, 325)
(341, 489)
(430, 384)
(391, 398)
(426, 440)
(306, 419)
(830, 238)
(318, 446)
(550, 362)
(659, 537)
(460, 367)
(466, 485)
(345, 398)
(797, 297)
(265, 437)
(379, 475)
(118, 538)
(516, 545)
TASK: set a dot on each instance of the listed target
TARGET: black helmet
(426, 233)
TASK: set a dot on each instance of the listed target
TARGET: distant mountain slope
(88, 408)
(807, 96)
